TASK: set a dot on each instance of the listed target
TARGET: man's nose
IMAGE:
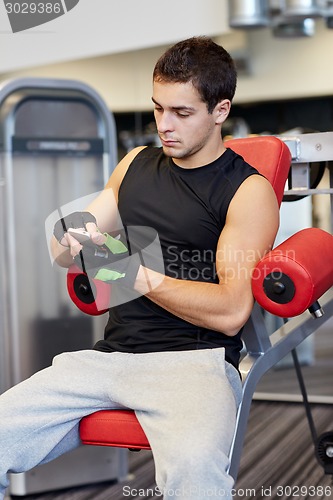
(164, 123)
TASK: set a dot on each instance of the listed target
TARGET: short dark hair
(206, 64)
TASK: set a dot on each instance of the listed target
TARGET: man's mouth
(168, 142)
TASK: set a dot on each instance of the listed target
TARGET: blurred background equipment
(57, 144)
(286, 18)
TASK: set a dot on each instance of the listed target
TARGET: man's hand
(75, 220)
(103, 257)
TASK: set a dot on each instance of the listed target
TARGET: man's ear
(222, 110)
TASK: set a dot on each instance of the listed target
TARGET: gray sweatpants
(186, 402)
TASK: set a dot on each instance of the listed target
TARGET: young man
(172, 353)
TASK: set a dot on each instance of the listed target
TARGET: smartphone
(80, 235)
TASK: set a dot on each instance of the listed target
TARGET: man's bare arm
(104, 208)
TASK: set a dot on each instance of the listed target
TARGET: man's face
(187, 131)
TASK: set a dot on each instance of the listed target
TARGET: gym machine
(57, 144)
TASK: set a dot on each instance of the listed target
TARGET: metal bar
(304, 395)
(305, 192)
(283, 340)
(255, 334)
(310, 147)
(35, 86)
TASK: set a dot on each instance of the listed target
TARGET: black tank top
(187, 208)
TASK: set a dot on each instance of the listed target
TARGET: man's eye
(183, 115)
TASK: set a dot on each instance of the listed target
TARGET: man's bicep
(250, 229)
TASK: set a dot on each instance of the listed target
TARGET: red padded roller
(290, 278)
(90, 296)
(119, 428)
